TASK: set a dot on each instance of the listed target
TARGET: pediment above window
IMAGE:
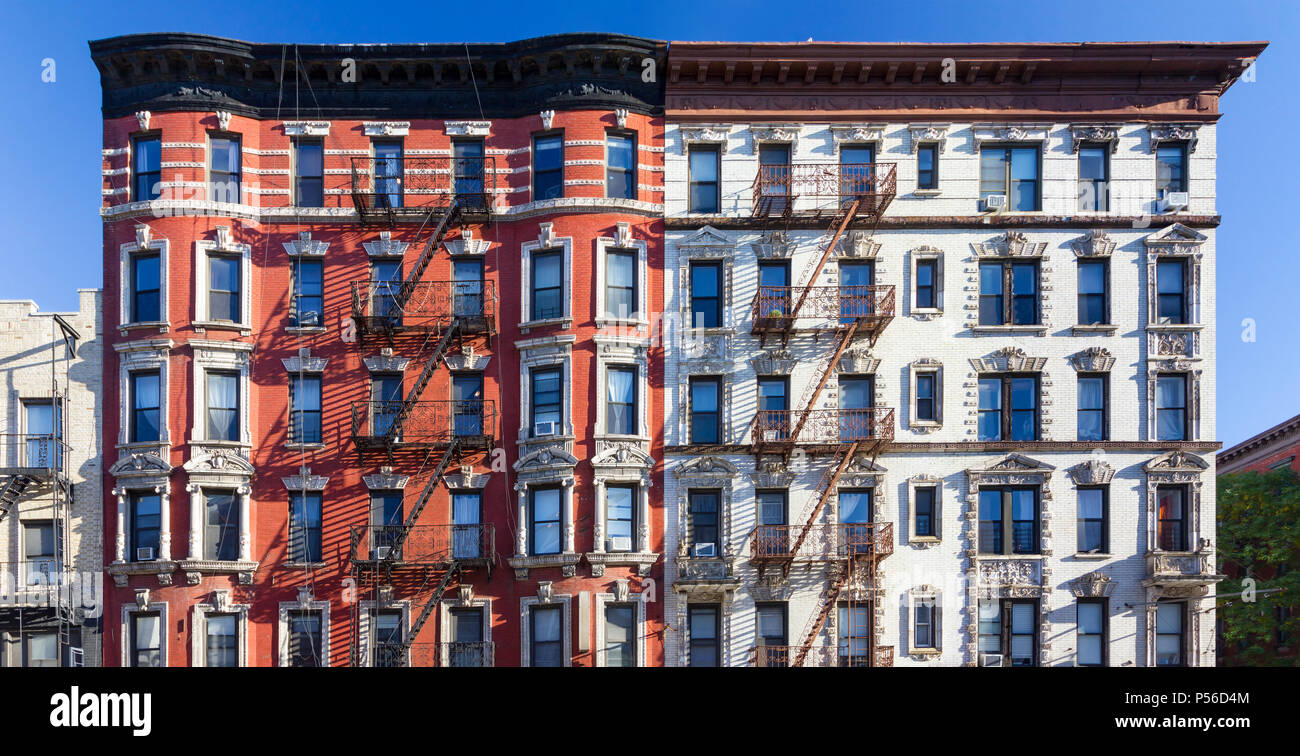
(385, 246)
(857, 362)
(386, 363)
(622, 456)
(773, 133)
(1094, 472)
(306, 128)
(386, 128)
(468, 359)
(706, 466)
(1176, 239)
(305, 481)
(1093, 360)
(1096, 243)
(920, 133)
(1009, 360)
(1082, 133)
(705, 134)
(466, 244)
(1010, 244)
(857, 133)
(385, 481)
(1014, 469)
(859, 245)
(140, 465)
(992, 133)
(1176, 461)
(306, 363)
(774, 244)
(466, 478)
(220, 462)
(550, 458)
(862, 472)
(1092, 585)
(1173, 132)
(305, 246)
(773, 362)
(468, 128)
(707, 240)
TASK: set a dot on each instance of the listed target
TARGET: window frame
(299, 177)
(692, 513)
(635, 314)
(1104, 605)
(137, 175)
(312, 544)
(1104, 378)
(1099, 186)
(207, 637)
(931, 148)
(1006, 409)
(231, 527)
(1104, 520)
(533, 642)
(535, 259)
(1007, 179)
(134, 500)
(1181, 607)
(208, 409)
(630, 409)
(533, 522)
(133, 395)
(716, 641)
(699, 380)
(133, 276)
(1184, 520)
(296, 297)
(634, 498)
(533, 373)
(692, 182)
(135, 649)
(297, 433)
(537, 138)
(932, 531)
(631, 173)
(1185, 408)
(1184, 299)
(717, 298)
(1006, 521)
(1184, 164)
(1007, 294)
(213, 172)
(320, 657)
(376, 178)
(1104, 264)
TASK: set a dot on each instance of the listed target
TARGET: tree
(1259, 540)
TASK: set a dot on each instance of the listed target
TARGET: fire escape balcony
(822, 431)
(407, 189)
(437, 546)
(391, 307)
(780, 544)
(469, 424)
(822, 190)
(29, 459)
(450, 654)
(782, 310)
(821, 656)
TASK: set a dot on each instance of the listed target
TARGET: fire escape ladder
(849, 211)
(430, 367)
(445, 217)
(845, 337)
(818, 621)
(826, 486)
(432, 604)
(12, 491)
(450, 453)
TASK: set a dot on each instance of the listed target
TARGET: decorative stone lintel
(1093, 360)
(857, 133)
(1094, 472)
(468, 128)
(306, 128)
(567, 562)
(1013, 243)
(705, 134)
(643, 561)
(305, 246)
(1173, 132)
(1009, 360)
(385, 246)
(999, 132)
(386, 128)
(1081, 133)
(1095, 243)
(920, 133)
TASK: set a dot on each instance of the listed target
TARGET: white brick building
(1040, 472)
(51, 534)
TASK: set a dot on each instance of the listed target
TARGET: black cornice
(177, 71)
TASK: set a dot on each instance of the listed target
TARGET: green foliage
(1259, 532)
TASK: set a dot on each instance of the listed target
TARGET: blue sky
(49, 195)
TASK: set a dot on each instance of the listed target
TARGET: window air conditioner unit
(990, 660)
(144, 554)
(995, 203)
(1174, 201)
(705, 550)
(621, 543)
(383, 552)
(547, 428)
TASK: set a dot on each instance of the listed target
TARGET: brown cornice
(901, 222)
(1154, 81)
(1282, 430)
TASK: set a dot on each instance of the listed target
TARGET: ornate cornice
(1008, 360)
(1013, 243)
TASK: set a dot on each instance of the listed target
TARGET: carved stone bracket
(774, 244)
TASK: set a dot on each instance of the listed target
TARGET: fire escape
(847, 197)
(418, 560)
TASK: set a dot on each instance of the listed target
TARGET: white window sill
(927, 192)
(305, 329)
(162, 326)
(308, 447)
(605, 322)
(1174, 326)
(924, 539)
(303, 565)
(926, 424)
(221, 325)
(565, 322)
(924, 652)
(1037, 330)
(1092, 555)
(1094, 328)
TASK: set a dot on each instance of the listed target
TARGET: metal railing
(450, 654)
(375, 304)
(822, 187)
(395, 183)
(430, 423)
(824, 542)
(425, 544)
(829, 426)
(820, 656)
(39, 453)
(773, 306)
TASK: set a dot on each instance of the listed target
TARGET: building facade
(1273, 449)
(381, 387)
(51, 588)
(940, 382)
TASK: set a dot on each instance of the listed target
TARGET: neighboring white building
(51, 534)
(1106, 545)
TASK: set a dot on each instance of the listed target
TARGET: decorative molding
(1093, 360)
(773, 362)
(983, 133)
(385, 481)
(385, 246)
(772, 473)
(466, 244)
(305, 246)
(620, 117)
(1092, 132)
(466, 479)
(857, 133)
(1095, 243)
(468, 359)
(468, 128)
(386, 128)
(1013, 243)
(548, 118)
(1094, 472)
(142, 117)
(857, 362)
(306, 128)
(919, 133)
(705, 134)
(1176, 461)
(1176, 239)
(774, 244)
(304, 363)
(858, 244)
(1008, 360)
(1173, 132)
(1094, 584)
(223, 119)
(386, 363)
(305, 481)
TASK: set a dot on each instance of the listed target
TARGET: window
(223, 406)
(221, 534)
(857, 177)
(307, 301)
(544, 520)
(305, 639)
(1093, 301)
(221, 641)
(467, 401)
(703, 523)
(1011, 171)
(223, 173)
(546, 626)
(855, 509)
(774, 289)
(1171, 292)
(704, 169)
(305, 527)
(1170, 617)
(145, 411)
(1092, 395)
(854, 635)
(467, 277)
(620, 283)
(39, 551)
(927, 166)
(926, 284)
(773, 537)
(704, 620)
(309, 173)
(548, 285)
(774, 176)
(773, 410)
(304, 409)
(1008, 293)
(1093, 506)
(223, 288)
(1092, 633)
(620, 511)
(1094, 178)
(706, 419)
(388, 638)
(42, 650)
(385, 401)
(620, 166)
(620, 635)
(1008, 629)
(469, 173)
(146, 282)
(857, 397)
(924, 623)
(548, 167)
(385, 282)
(467, 648)
(771, 631)
(547, 402)
(1171, 518)
(1171, 407)
(388, 173)
(146, 640)
(927, 397)
(146, 525)
(1008, 520)
(43, 423)
(146, 170)
(467, 537)
(1171, 169)
(1008, 408)
(926, 499)
(387, 515)
(855, 290)
(706, 295)
(620, 409)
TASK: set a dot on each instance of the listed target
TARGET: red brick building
(379, 371)
(1275, 448)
